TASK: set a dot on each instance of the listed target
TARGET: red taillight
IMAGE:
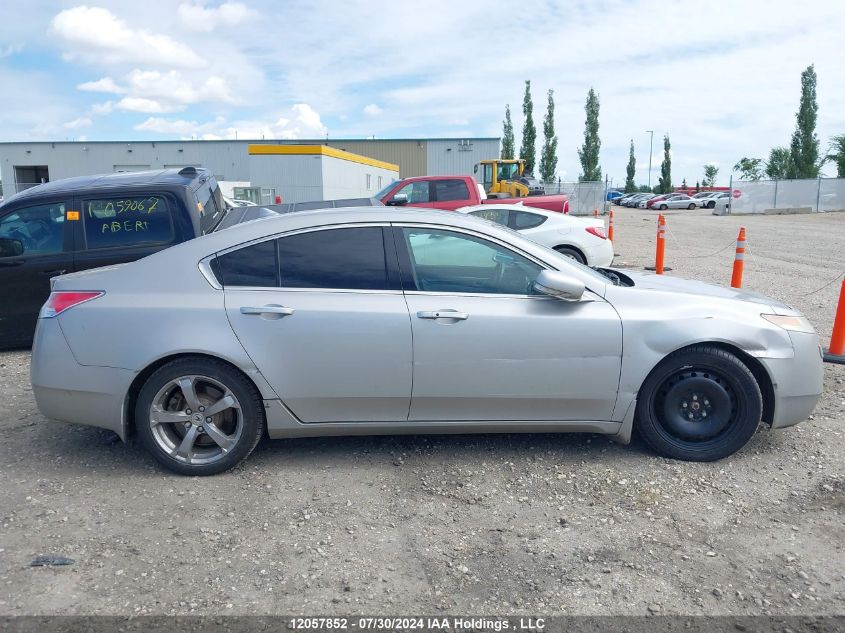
(60, 301)
(598, 231)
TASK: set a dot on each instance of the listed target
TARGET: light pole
(650, 146)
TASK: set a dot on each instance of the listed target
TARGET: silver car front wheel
(199, 417)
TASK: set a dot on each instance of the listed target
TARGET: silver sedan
(376, 321)
(677, 201)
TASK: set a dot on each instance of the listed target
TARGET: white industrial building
(344, 168)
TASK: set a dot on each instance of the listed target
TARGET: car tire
(663, 207)
(711, 205)
(691, 207)
(572, 253)
(699, 404)
(180, 435)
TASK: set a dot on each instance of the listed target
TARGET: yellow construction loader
(506, 178)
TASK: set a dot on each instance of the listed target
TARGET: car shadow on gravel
(460, 449)
(78, 449)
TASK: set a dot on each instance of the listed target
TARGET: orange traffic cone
(661, 245)
(739, 259)
(836, 352)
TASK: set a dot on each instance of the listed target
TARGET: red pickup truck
(452, 192)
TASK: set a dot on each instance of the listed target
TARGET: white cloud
(160, 125)
(300, 121)
(140, 104)
(371, 109)
(102, 108)
(199, 18)
(77, 123)
(96, 35)
(106, 84)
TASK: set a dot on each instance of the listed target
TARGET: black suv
(90, 221)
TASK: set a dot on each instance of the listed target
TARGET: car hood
(679, 285)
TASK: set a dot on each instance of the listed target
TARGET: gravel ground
(474, 524)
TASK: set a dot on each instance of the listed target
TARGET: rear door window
(127, 221)
(448, 190)
(347, 258)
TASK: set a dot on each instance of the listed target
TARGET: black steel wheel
(699, 404)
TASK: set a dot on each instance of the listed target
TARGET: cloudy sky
(721, 78)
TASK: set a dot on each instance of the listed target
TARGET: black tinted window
(446, 190)
(521, 220)
(249, 266)
(127, 221)
(334, 258)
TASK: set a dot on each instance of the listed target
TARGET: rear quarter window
(522, 220)
(127, 221)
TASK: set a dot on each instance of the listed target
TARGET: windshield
(509, 171)
(384, 190)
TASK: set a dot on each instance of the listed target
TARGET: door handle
(443, 314)
(269, 309)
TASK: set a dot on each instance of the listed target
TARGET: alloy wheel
(196, 419)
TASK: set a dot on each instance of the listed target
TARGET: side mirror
(475, 168)
(10, 247)
(559, 285)
(399, 200)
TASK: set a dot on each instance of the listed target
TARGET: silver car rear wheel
(199, 415)
(196, 419)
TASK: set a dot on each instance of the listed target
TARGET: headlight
(792, 323)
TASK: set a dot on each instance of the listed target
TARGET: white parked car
(715, 198)
(582, 239)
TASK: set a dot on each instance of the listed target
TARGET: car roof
(183, 177)
(513, 207)
(265, 227)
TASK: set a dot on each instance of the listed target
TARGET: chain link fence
(798, 196)
(584, 197)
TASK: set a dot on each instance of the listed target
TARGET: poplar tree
(507, 135)
(804, 148)
(666, 167)
(631, 171)
(528, 151)
(589, 152)
(548, 157)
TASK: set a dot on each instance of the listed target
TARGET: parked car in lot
(675, 201)
(78, 223)
(640, 198)
(715, 197)
(582, 239)
(452, 192)
(360, 321)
